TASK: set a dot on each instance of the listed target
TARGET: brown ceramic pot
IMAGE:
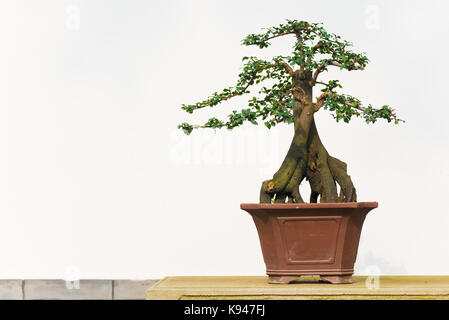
(309, 238)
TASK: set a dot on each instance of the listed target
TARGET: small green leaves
(337, 104)
(331, 85)
(237, 118)
(385, 112)
(187, 128)
(344, 107)
(270, 123)
(214, 123)
(262, 40)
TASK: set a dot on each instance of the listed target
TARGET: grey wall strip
(11, 290)
(75, 290)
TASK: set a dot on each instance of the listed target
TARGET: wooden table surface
(255, 287)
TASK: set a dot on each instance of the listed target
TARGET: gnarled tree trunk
(307, 158)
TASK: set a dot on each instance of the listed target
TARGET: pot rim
(327, 205)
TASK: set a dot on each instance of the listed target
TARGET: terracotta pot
(309, 238)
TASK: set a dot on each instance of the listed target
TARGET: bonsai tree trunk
(307, 158)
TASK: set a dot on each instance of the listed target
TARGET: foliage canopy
(314, 51)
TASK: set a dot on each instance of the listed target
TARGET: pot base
(282, 279)
(326, 278)
(337, 279)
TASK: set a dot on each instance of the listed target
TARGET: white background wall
(96, 180)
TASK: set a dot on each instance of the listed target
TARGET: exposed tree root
(315, 165)
(347, 189)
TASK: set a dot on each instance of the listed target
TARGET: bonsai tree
(291, 100)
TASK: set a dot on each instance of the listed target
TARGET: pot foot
(337, 279)
(282, 279)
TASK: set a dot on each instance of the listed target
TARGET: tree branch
(316, 73)
(288, 68)
(335, 63)
(321, 68)
(272, 37)
(320, 100)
